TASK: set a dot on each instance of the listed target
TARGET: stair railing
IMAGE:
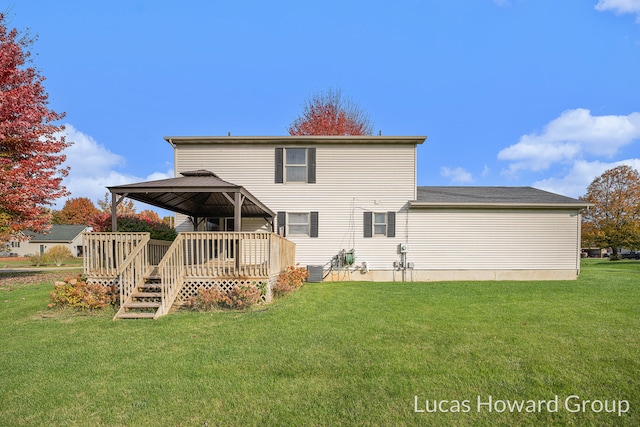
(171, 270)
(131, 272)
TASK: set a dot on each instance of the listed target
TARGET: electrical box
(315, 273)
(411, 265)
(403, 248)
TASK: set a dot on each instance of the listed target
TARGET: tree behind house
(329, 113)
(78, 210)
(614, 220)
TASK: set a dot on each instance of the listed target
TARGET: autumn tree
(30, 144)
(614, 220)
(149, 215)
(330, 113)
(125, 208)
(78, 210)
(101, 222)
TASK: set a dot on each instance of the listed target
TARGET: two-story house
(352, 206)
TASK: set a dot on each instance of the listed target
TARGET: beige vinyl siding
(494, 239)
(350, 178)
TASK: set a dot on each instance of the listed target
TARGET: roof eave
(503, 205)
(325, 139)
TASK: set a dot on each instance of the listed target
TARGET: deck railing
(105, 252)
(157, 250)
(171, 270)
(283, 254)
(132, 271)
(225, 254)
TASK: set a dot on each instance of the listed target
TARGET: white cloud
(486, 171)
(572, 135)
(93, 167)
(576, 181)
(620, 7)
(458, 174)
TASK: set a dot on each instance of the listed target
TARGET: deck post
(237, 212)
(114, 212)
(237, 226)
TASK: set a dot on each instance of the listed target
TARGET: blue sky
(509, 92)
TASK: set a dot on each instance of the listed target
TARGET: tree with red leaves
(329, 113)
(30, 144)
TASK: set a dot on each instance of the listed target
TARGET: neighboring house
(352, 206)
(69, 236)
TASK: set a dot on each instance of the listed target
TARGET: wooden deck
(176, 270)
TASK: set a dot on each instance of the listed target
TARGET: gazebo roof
(199, 193)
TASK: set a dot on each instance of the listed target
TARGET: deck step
(136, 315)
(142, 305)
(146, 294)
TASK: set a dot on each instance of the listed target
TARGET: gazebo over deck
(153, 276)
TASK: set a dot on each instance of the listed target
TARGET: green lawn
(336, 354)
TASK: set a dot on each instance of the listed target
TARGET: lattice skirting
(104, 281)
(192, 285)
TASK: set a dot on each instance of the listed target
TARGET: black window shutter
(311, 165)
(368, 224)
(282, 223)
(313, 224)
(391, 224)
(279, 162)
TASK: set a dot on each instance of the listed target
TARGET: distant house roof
(479, 197)
(59, 233)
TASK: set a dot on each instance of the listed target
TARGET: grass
(334, 354)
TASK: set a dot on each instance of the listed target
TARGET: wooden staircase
(147, 299)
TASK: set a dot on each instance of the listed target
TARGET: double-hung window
(295, 164)
(378, 224)
(298, 223)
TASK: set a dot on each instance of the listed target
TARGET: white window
(298, 224)
(296, 164)
(379, 224)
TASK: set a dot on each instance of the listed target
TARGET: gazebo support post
(115, 201)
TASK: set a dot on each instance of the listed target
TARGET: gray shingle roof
(492, 196)
(198, 193)
(58, 233)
